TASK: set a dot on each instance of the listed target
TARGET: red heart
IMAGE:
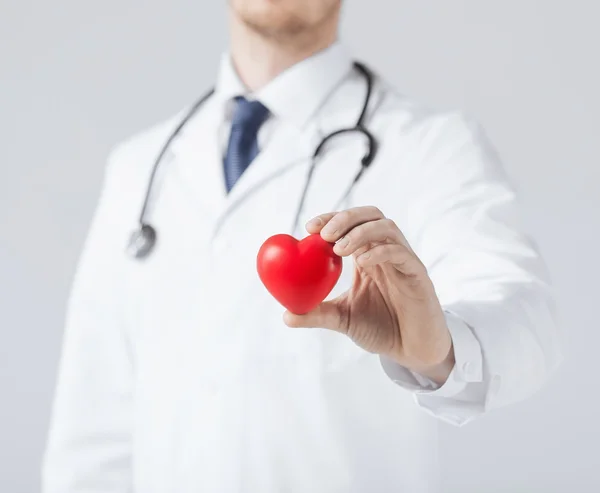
(299, 274)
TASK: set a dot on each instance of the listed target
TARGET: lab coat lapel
(198, 161)
(289, 147)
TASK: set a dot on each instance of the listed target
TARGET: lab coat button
(466, 367)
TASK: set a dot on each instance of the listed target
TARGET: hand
(392, 308)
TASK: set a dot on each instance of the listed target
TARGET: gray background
(77, 77)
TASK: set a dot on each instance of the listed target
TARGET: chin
(273, 18)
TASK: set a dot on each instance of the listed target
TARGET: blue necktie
(248, 116)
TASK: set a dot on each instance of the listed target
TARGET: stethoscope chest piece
(142, 241)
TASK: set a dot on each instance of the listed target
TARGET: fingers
(368, 235)
(327, 316)
(334, 225)
(361, 236)
(403, 259)
(316, 224)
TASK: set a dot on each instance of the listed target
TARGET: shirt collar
(298, 92)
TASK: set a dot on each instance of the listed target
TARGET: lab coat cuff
(467, 368)
(467, 350)
(403, 377)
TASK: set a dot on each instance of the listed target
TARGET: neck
(258, 59)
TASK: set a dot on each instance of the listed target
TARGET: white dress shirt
(177, 372)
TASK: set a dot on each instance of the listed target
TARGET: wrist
(439, 372)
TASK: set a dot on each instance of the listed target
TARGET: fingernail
(315, 221)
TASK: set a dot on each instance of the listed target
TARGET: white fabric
(177, 372)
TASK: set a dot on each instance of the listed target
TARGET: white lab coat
(178, 374)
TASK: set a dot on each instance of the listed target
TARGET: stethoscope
(143, 239)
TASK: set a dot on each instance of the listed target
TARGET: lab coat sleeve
(488, 274)
(89, 441)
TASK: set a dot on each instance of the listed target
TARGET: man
(179, 374)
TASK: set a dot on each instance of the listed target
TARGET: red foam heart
(298, 274)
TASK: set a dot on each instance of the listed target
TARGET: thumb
(327, 316)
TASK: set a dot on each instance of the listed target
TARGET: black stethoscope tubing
(144, 237)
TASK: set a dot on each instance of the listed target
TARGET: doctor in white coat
(180, 373)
